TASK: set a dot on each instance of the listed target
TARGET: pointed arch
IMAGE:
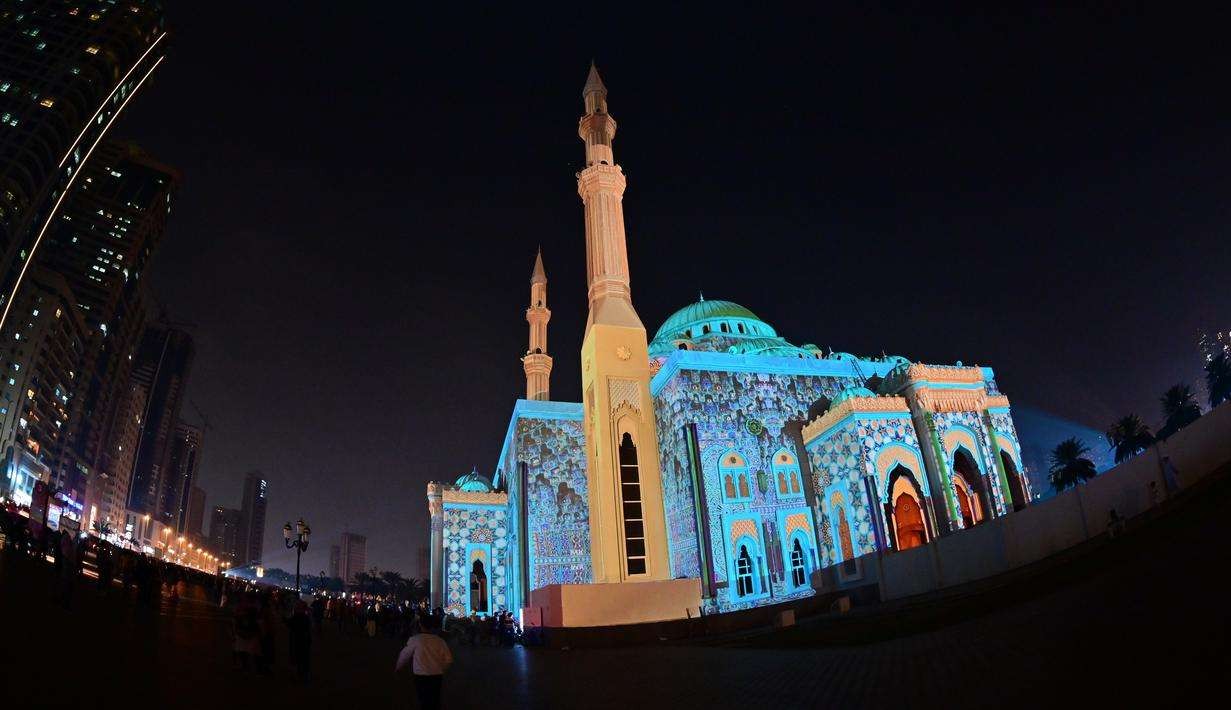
(732, 464)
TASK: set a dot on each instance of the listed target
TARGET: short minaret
(628, 539)
(537, 362)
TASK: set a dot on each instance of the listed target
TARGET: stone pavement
(1142, 623)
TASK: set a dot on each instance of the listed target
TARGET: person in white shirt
(429, 657)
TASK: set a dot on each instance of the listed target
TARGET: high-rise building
(101, 242)
(252, 542)
(43, 347)
(181, 473)
(109, 491)
(66, 72)
(161, 366)
(225, 527)
(354, 555)
(335, 561)
(196, 512)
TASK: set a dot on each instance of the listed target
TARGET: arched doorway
(478, 587)
(905, 509)
(1017, 489)
(968, 488)
(909, 518)
(743, 572)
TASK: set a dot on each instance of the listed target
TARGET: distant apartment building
(183, 462)
(253, 526)
(162, 367)
(353, 555)
(196, 513)
(335, 561)
(224, 533)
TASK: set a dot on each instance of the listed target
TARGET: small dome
(474, 481)
(850, 393)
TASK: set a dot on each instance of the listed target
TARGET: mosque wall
(475, 532)
(548, 453)
(751, 492)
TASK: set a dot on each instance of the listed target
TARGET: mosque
(713, 468)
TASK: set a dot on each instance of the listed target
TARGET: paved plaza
(1137, 622)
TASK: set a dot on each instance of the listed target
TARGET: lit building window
(743, 572)
(47, 103)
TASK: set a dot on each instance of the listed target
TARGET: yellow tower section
(627, 530)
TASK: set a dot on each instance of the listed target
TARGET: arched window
(844, 536)
(630, 496)
(741, 328)
(799, 570)
(478, 587)
(786, 471)
(734, 472)
(743, 572)
(683, 346)
(705, 330)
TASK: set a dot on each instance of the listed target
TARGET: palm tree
(1180, 409)
(1129, 436)
(1218, 379)
(1069, 465)
(362, 580)
(103, 528)
(394, 582)
(416, 589)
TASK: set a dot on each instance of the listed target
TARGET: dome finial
(701, 296)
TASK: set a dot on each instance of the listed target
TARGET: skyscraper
(161, 367)
(224, 532)
(66, 72)
(354, 555)
(252, 542)
(196, 513)
(101, 243)
(42, 353)
(335, 561)
(183, 461)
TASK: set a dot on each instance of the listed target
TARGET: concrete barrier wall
(1042, 530)
(911, 572)
(1061, 522)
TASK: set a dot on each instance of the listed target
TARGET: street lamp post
(299, 541)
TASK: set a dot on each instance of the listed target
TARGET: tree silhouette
(1180, 409)
(394, 583)
(1129, 436)
(1218, 379)
(1069, 465)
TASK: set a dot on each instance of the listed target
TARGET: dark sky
(365, 186)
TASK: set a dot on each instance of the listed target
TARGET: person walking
(300, 632)
(429, 657)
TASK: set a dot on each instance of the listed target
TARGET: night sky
(365, 188)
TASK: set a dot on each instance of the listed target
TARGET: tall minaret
(537, 362)
(628, 540)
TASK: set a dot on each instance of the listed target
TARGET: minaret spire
(628, 537)
(537, 363)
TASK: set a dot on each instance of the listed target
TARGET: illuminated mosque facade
(713, 468)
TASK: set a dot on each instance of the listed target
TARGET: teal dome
(688, 322)
(474, 481)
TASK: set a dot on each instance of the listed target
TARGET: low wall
(571, 605)
(1058, 523)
